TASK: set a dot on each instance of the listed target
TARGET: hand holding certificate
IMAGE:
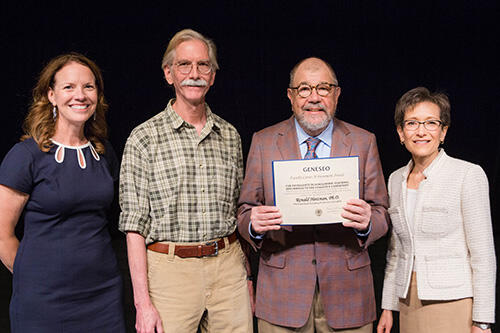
(265, 218)
(314, 191)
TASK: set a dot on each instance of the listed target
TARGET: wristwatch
(483, 326)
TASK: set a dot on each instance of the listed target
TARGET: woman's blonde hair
(39, 124)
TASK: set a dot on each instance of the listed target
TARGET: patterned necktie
(312, 143)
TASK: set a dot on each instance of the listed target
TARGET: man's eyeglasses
(430, 125)
(322, 89)
(185, 67)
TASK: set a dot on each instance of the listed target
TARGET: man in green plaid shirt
(180, 180)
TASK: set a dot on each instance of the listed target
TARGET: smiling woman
(74, 94)
(65, 274)
(441, 267)
(69, 84)
(421, 132)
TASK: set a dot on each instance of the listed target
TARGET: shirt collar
(325, 136)
(430, 169)
(177, 122)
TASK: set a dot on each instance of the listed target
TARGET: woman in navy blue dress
(59, 179)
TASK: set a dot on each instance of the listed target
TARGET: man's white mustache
(196, 83)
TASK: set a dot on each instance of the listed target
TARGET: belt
(188, 251)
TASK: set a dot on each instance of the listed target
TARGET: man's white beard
(312, 127)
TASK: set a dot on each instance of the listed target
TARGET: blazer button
(314, 261)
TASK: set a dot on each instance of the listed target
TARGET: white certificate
(313, 191)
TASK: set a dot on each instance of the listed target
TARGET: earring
(54, 112)
(442, 142)
(95, 115)
(402, 143)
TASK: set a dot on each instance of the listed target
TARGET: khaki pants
(315, 323)
(210, 292)
(420, 316)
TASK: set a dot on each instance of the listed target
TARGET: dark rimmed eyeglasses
(322, 89)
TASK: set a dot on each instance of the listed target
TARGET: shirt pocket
(224, 181)
(434, 220)
(165, 176)
(445, 271)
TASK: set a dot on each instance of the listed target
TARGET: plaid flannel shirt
(178, 186)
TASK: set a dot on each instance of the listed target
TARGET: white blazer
(452, 241)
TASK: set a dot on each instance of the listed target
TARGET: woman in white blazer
(441, 265)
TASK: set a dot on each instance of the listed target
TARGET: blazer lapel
(341, 141)
(287, 142)
(288, 146)
(403, 196)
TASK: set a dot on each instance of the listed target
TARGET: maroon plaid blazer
(294, 258)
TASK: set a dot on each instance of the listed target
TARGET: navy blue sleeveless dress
(66, 276)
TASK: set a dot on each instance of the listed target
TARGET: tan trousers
(210, 292)
(416, 316)
(315, 323)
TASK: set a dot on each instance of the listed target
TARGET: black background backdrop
(379, 49)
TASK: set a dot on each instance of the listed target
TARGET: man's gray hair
(185, 35)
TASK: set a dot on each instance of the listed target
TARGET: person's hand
(358, 212)
(265, 218)
(147, 320)
(476, 329)
(385, 322)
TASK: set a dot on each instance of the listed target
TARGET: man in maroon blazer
(313, 278)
